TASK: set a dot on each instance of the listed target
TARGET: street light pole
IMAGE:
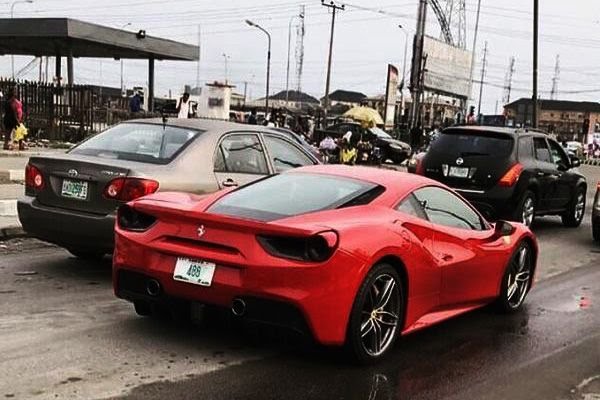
(226, 57)
(250, 23)
(12, 15)
(536, 15)
(122, 81)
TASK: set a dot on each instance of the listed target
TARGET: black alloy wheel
(377, 315)
(576, 210)
(526, 209)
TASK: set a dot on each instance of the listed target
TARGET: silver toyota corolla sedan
(71, 199)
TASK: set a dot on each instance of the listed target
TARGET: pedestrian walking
(252, 118)
(135, 104)
(348, 153)
(13, 118)
(471, 119)
(183, 106)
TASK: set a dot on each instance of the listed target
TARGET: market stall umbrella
(364, 115)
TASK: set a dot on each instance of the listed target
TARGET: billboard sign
(391, 93)
(447, 69)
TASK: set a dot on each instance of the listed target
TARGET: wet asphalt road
(64, 335)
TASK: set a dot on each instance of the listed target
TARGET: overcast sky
(365, 41)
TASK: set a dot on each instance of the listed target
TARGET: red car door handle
(229, 183)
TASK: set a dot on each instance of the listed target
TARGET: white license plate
(74, 189)
(194, 271)
(459, 172)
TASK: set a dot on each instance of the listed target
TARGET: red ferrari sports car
(354, 256)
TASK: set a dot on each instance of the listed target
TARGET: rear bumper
(305, 298)
(66, 228)
(495, 203)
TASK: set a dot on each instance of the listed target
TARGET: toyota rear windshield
(148, 143)
(292, 194)
(467, 143)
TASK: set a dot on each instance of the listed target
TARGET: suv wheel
(575, 210)
(525, 212)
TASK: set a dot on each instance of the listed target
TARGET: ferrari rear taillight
(511, 176)
(127, 189)
(33, 177)
(316, 248)
(130, 219)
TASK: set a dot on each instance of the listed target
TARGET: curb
(12, 232)
(8, 208)
(12, 175)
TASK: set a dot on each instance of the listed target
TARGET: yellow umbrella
(364, 115)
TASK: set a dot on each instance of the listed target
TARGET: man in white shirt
(183, 107)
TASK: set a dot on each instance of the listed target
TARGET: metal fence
(68, 113)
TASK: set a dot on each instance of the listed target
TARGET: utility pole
(245, 91)
(334, 9)
(300, 48)
(508, 81)
(536, 16)
(483, 67)
(555, 78)
(198, 64)
(417, 70)
(473, 53)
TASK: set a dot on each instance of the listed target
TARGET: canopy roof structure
(49, 36)
(64, 37)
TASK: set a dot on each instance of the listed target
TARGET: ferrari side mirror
(504, 228)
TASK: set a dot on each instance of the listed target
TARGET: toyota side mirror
(504, 228)
(575, 161)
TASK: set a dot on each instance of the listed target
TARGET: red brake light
(33, 177)
(419, 169)
(127, 189)
(511, 176)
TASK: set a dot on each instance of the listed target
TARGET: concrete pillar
(58, 69)
(150, 107)
(71, 78)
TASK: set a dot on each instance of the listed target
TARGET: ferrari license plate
(194, 271)
(74, 189)
(459, 172)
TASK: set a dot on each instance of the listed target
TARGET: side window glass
(411, 206)
(525, 148)
(285, 155)
(241, 154)
(445, 208)
(542, 153)
(558, 154)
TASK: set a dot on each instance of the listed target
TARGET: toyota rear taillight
(33, 178)
(127, 189)
(511, 176)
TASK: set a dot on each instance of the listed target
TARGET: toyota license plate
(194, 271)
(459, 172)
(74, 189)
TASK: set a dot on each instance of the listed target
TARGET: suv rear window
(465, 143)
(292, 194)
(147, 143)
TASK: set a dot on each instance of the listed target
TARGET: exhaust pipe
(238, 307)
(153, 287)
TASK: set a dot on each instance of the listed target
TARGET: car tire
(517, 279)
(596, 233)
(88, 255)
(525, 212)
(575, 212)
(369, 339)
(142, 308)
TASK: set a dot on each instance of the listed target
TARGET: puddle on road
(578, 302)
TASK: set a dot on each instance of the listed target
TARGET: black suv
(508, 173)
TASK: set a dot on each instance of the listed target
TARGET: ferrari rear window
(292, 194)
(149, 143)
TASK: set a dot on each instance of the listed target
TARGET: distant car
(596, 215)
(391, 149)
(299, 139)
(508, 174)
(574, 148)
(352, 256)
(71, 199)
